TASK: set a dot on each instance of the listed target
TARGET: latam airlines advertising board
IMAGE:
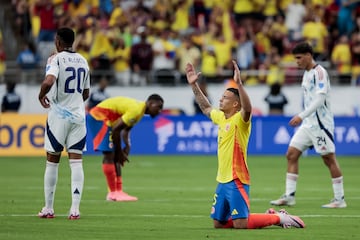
(23, 135)
(198, 135)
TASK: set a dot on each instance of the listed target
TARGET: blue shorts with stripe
(101, 134)
(230, 200)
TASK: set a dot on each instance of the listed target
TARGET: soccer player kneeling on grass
(231, 207)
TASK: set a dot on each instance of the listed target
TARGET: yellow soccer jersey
(111, 109)
(233, 139)
(243, 6)
(122, 56)
(314, 33)
(342, 54)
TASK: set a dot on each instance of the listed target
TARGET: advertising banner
(198, 135)
(23, 135)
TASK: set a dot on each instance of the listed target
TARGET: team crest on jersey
(227, 127)
(321, 85)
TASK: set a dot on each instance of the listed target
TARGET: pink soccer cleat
(121, 196)
(111, 196)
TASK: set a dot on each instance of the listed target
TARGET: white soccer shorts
(62, 133)
(322, 140)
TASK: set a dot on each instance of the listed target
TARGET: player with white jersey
(66, 101)
(316, 129)
(64, 90)
(316, 86)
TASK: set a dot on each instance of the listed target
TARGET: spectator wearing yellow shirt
(223, 51)
(270, 9)
(279, 33)
(209, 66)
(79, 8)
(121, 64)
(186, 53)
(316, 33)
(209, 36)
(341, 59)
(181, 15)
(289, 66)
(84, 38)
(259, 16)
(221, 16)
(101, 54)
(276, 73)
(262, 42)
(243, 10)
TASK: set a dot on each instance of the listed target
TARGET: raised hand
(237, 77)
(191, 74)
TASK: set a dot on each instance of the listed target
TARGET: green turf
(175, 196)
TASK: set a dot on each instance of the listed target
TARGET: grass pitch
(175, 195)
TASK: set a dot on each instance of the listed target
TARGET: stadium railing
(167, 76)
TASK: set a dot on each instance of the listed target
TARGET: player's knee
(292, 155)
(53, 156)
(218, 224)
(240, 223)
(329, 159)
(108, 157)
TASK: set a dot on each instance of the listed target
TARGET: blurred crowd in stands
(140, 42)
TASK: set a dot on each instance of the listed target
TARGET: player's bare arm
(244, 97)
(295, 121)
(119, 155)
(125, 134)
(45, 88)
(200, 98)
(86, 94)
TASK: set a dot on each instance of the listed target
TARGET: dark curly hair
(303, 48)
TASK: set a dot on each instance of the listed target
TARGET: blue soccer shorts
(101, 134)
(230, 200)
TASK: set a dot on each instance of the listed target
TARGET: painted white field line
(172, 215)
(207, 199)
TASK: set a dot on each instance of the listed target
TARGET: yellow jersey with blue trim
(233, 139)
(112, 109)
